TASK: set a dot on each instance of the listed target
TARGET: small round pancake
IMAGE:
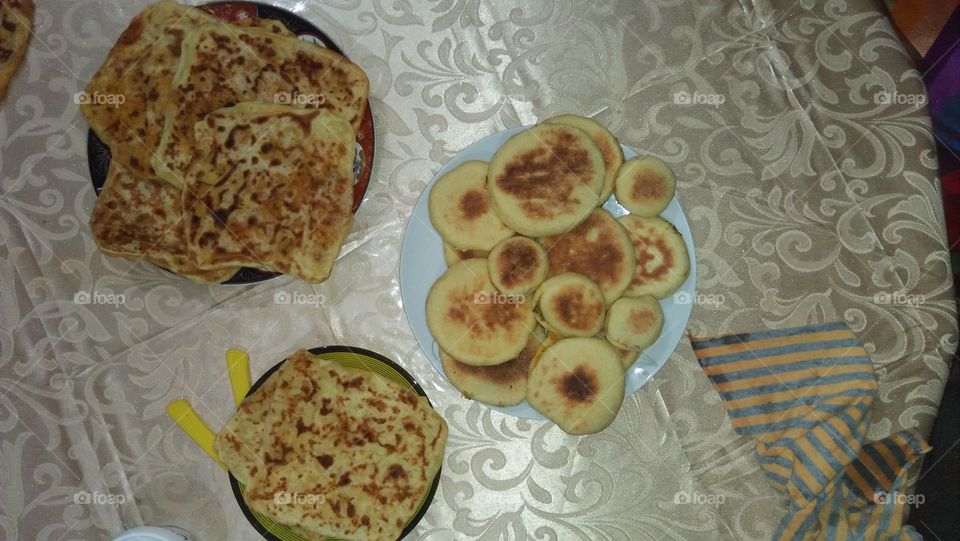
(577, 383)
(546, 179)
(599, 249)
(500, 385)
(645, 186)
(517, 265)
(570, 304)
(662, 260)
(474, 322)
(460, 209)
(452, 256)
(633, 323)
(607, 144)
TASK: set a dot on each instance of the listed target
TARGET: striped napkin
(804, 394)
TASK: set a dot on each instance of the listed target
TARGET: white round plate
(421, 263)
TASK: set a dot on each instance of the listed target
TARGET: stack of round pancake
(525, 241)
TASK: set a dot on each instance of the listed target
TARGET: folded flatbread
(272, 188)
(222, 66)
(140, 218)
(127, 98)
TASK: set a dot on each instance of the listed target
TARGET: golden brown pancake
(607, 144)
(499, 385)
(599, 249)
(459, 207)
(16, 24)
(645, 186)
(546, 179)
(517, 265)
(634, 323)
(223, 65)
(662, 262)
(452, 256)
(570, 304)
(578, 384)
(140, 218)
(472, 321)
(271, 187)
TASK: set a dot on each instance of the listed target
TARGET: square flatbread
(16, 24)
(271, 187)
(140, 218)
(367, 445)
(221, 66)
(239, 444)
(140, 68)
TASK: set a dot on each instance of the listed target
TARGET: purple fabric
(943, 65)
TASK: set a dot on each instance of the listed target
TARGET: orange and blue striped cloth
(804, 394)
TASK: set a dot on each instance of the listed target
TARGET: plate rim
(645, 375)
(248, 275)
(319, 350)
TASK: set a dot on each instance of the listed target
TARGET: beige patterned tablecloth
(806, 169)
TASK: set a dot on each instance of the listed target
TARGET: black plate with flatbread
(98, 153)
(355, 358)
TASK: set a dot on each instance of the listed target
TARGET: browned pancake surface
(599, 249)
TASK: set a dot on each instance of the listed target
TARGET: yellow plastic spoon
(190, 422)
(238, 367)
